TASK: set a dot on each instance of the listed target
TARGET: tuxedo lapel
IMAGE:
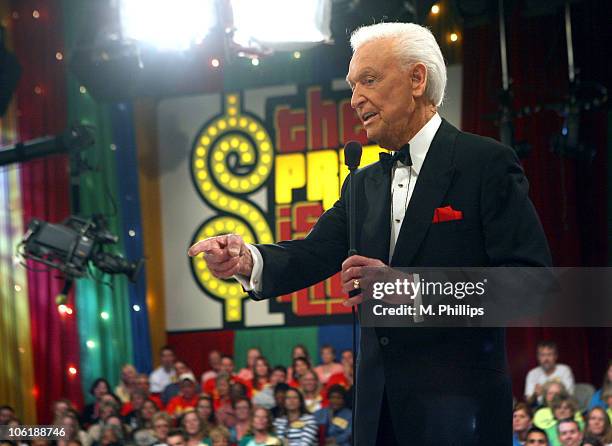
(434, 179)
(375, 230)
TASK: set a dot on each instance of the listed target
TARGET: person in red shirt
(187, 397)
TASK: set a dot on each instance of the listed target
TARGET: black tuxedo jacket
(444, 386)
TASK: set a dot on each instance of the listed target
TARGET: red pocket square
(446, 213)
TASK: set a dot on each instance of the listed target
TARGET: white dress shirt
(402, 186)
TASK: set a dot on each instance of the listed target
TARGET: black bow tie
(402, 155)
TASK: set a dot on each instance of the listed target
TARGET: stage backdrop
(263, 163)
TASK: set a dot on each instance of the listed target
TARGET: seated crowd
(550, 414)
(300, 405)
(257, 405)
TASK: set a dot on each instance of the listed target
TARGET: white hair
(414, 43)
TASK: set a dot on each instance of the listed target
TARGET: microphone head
(352, 154)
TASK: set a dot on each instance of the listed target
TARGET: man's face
(175, 440)
(569, 434)
(252, 355)
(227, 365)
(382, 93)
(214, 359)
(536, 439)
(167, 358)
(5, 416)
(547, 358)
(188, 389)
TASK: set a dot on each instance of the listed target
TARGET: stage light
(168, 25)
(297, 54)
(453, 37)
(280, 24)
(136, 307)
(215, 63)
(90, 344)
(435, 9)
(72, 370)
(255, 61)
(36, 14)
(104, 315)
(59, 56)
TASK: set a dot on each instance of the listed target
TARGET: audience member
(144, 434)
(227, 367)
(222, 402)
(336, 419)
(345, 378)
(7, 413)
(195, 427)
(219, 436)
(261, 375)
(298, 351)
(106, 410)
(142, 383)
(598, 425)
(177, 437)
(174, 388)
(597, 399)
(265, 398)
(187, 397)
(536, 437)
(299, 366)
(521, 423)
(214, 364)
(131, 411)
(59, 408)
(98, 389)
(165, 373)
(548, 368)
(126, 382)
(297, 427)
(162, 422)
(562, 407)
(591, 441)
(261, 431)
(242, 411)
(110, 436)
(280, 391)
(312, 391)
(569, 432)
(328, 366)
(73, 431)
(206, 410)
(246, 373)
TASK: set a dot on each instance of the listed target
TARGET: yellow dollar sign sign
(232, 156)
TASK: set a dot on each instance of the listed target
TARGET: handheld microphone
(352, 154)
(352, 158)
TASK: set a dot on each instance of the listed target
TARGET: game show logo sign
(296, 155)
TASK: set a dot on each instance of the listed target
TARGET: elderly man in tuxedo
(447, 199)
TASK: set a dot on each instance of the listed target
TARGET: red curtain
(570, 196)
(41, 104)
